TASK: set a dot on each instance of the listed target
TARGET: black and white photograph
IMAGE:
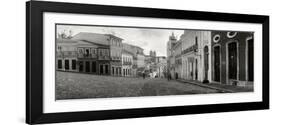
(100, 61)
(89, 62)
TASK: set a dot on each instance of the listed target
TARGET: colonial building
(178, 60)
(138, 58)
(232, 58)
(66, 55)
(82, 56)
(171, 55)
(105, 48)
(127, 63)
(195, 55)
(161, 64)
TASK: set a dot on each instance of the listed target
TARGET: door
(106, 69)
(94, 67)
(87, 66)
(80, 66)
(232, 60)
(250, 60)
(196, 69)
(217, 63)
(206, 62)
(101, 69)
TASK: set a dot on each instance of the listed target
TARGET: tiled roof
(92, 37)
(61, 40)
(127, 52)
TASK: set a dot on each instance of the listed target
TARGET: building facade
(178, 60)
(108, 49)
(127, 64)
(138, 58)
(232, 59)
(66, 55)
(195, 55)
(171, 59)
(161, 66)
(82, 56)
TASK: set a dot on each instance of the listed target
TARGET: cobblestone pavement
(78, 86)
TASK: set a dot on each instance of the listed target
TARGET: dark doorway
(94, 67)
(250, 60)
(196, 70)
(81, 66)
(66, 64)
(106, 69)
(206, 62)
(101, 69)
(73, 64)
(87, 66)
(217, 63)
(232, 60)
(59, 64)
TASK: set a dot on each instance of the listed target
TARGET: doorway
(87, 66)
(206, 62)
(80, 66)
(101, 69)
(217, 63)
(232, 60)
(250, 60)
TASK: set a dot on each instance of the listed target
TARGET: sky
(146, 38)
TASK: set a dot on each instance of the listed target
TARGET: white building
(127, 63)
(195, 62)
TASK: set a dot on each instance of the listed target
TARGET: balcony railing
(193, 48)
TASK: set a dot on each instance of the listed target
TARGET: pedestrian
(143, 75)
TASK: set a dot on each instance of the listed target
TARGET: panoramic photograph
(95, 61)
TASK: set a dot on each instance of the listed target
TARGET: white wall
(12, 108)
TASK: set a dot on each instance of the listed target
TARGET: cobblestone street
(76, 86)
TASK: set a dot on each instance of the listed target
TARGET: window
(59, 64)
(66, 64)
(106, 52)
(87, 53)
(73, 64)
(93, 51)
(231, 34)
(100, 51)
(216, 38)
(59, 48)
(80, 51)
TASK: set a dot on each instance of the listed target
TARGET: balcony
(66, 54)
(103, 58)
(193, 48)
(127, 63)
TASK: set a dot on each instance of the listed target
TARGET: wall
(12, 91)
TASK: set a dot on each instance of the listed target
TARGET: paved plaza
(78, 86)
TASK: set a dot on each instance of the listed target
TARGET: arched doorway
(217, 63)
(206, 64)
(232, 61)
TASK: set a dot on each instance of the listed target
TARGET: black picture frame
(34, 61)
